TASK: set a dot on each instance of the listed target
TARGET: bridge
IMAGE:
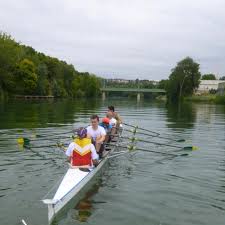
(129, 90)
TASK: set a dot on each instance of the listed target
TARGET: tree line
(24, 71)
(184, 80)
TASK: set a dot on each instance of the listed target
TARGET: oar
(118, 154)
(25, 140)
(134, 139)
(141, 128)
(157, 143)
(23, 221)
(134, 148)
(157, 136)
(58, 145)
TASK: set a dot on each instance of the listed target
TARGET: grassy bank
(218, 99)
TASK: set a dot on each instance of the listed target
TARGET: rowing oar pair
(154, 134)
(134, 139)
(131, 148)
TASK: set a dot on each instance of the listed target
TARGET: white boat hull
(73, 184)
(56, 205)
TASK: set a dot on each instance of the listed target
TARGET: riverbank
(218, 99)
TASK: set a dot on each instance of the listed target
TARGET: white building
(206, 85)
(221, 88)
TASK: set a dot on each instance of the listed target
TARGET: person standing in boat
(82, 152)
(96, 133)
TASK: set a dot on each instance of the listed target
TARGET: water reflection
(181, 115)
(84, 208)
(31, 114)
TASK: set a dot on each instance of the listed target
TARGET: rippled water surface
(137, 188)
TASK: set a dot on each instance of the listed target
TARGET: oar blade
(184, 154)
(192, 148)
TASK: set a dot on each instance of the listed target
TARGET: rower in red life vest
(108, 128)
(82, 152)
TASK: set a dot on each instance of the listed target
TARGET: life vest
(82, 152)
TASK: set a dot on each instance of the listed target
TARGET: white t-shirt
(72, 146)
(95, 133)
(113, 122)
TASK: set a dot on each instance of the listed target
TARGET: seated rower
(96, 133)
(115, 115)
(108, 128)
(82, 152)
(112, 122)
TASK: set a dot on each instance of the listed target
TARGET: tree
(209, 76)
(222, 78)
(183, 80)
(23, 70)
(42, 82)
(25, 77)
(9, 52)
(163, 84)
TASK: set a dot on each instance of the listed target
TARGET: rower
(112, 122)
(115, 115)
(96, 133)
(108, 128)
(82, 152)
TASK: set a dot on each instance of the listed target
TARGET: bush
(220, 99)
(212, 91)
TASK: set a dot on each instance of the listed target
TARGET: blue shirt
(107, 127)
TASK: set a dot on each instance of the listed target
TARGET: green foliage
(220, 99)
(163, 84)
(212, 91)
(25, 71)
(209, 98)
(25, 77)
(84, 81)
(209, 76)
(222, 78)
(9, 54)
(183, 80)
(129, 84)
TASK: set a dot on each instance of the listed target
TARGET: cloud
(128, 39)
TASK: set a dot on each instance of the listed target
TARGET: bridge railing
(136, 90)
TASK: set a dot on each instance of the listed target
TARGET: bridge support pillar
(138, 97)
(103, 95)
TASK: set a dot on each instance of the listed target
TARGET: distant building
(155, 82)
(124, 81)
(221, 88)
(121, 81)
(206, 85)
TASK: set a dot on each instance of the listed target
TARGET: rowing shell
(74, 184)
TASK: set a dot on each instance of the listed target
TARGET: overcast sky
(121, 38)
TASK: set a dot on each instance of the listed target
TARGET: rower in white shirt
(112, 122)
(96, 133)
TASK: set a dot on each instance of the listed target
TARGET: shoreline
(210, 98)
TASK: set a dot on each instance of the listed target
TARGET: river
(138, 187)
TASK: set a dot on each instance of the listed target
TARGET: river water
(137, 188)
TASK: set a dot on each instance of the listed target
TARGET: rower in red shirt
(82, 152)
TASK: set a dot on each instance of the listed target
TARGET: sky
(126, 39)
